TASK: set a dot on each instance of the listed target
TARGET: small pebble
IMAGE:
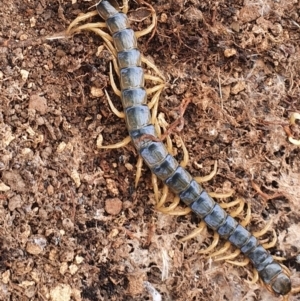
(113, 206)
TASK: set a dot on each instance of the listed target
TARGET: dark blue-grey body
(164, 166)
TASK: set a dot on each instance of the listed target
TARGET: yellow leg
(104, 36)
(208, 177)
(254, 279)
(154, 78)
(230, 204)
(212, 245)
(163, 124)
(95, 27)
(113, 108)
(155, 88)
(125, 7)
(264, 230)
(286, 270)
(147, 30)
(294, 291)
(112, 82)
(222, 250)
(153, 67)
(194, 233)
(154, 101)
(92, 26)
(218, 195)
(122, 143)
(186, 157)
(116, 66)
(169, 145)
(171, 207)
(139, 166)
(180, 211)
(114, 59)
(157, 128)
(154, 106)
(155, 187)
(161, 201)
(108, 44)
(272, 243)
(247, 219)
(80, 19)
(243, 263)
(239, 209)
(278, 258)
(229, 256)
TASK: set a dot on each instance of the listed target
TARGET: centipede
(145, 138)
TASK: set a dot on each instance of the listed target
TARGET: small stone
(14, 179)
(76, 294)
(99, 50)
(40, 121)
(50, 190)
(112, 186)
(26, 152)
(15, 202)
(61, 147)
(24, 74)
(238, 87)
(235, 26)
(36, 245)
(76, 178)
(30, 290)
(129, 166)
(26, 283)
(4, 187)
(96, 92)
(23, 37)
(163, 18)
(60, 53)
(7, 137)
(32, 21)
(38, 103)
(53, 255)
(67, 256)
(113, 233)
(63, 268)
(68, 225)
(135, 284)
(229, 52)
(5, 276)
(225, 92)
(113, 206)
(73, 268)
(249, 13)
(79, 259)
(61, 292)
(99, 141)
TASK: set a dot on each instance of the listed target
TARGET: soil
(72, 224)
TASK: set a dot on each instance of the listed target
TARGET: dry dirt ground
(72, 225)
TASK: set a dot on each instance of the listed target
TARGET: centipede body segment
(165, 166)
